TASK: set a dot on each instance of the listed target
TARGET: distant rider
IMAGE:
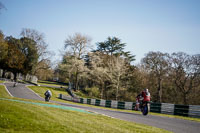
(142, 97)
(48, 95)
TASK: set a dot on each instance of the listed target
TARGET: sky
(144, 25)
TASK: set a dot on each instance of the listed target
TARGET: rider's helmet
(146, 90)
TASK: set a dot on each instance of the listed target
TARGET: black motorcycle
(47, 98)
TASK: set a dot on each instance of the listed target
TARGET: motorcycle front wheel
(47, 99)
(145, 109)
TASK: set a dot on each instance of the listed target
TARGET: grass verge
(3, 92)
(42, 89)
(22, 117)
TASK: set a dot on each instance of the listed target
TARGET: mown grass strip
(48, 105)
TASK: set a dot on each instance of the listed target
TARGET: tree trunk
(15, 76)
(184, 98)
(117, 91)
(159, 92)
(102, 91)
(4, 74)
(76, 81)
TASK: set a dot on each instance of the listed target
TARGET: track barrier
(164, 108)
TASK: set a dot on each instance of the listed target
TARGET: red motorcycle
(143, 100)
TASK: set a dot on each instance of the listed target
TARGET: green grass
(51, 83)
(41, 90)
(42, 119)
(1, 81)
(23, 117)
(3, 92)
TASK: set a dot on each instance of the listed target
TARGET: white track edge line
(33, 91)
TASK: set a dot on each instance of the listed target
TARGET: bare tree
(99, 73)
(118, 69)
(185, 73)
(71, 67)
(38, 38)
(106, 74)
(157, 64)
(42, 48)
(76, 47)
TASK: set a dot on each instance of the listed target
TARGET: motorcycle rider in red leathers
(142, 97)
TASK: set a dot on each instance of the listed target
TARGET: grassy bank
(23, 117)
(43, 119)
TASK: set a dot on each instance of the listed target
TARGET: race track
(171, 124)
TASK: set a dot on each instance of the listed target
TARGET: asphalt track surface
(171, 124)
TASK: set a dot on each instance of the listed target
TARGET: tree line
(107, 72)
(26, 55)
